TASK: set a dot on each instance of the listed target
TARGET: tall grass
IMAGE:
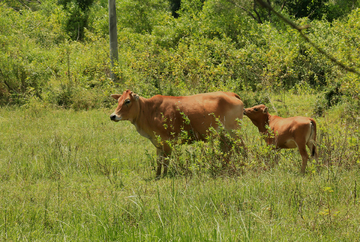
(76, 176)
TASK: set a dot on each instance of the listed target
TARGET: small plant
(220, 154)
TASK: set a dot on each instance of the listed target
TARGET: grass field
(77, 176)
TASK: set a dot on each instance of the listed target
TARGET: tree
(312, 9)
(78, 17)
(174, 7)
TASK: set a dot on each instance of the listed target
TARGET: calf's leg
(304, 156)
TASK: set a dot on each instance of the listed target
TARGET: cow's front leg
(166, 154)
(162, 160)
(166, 164)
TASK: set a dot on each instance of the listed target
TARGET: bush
(24, 65)
(212, 45)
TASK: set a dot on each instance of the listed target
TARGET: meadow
(76, 176)
(67, 173)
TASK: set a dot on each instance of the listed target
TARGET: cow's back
(194, 113)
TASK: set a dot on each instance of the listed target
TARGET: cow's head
(257, 114)
(127, 108)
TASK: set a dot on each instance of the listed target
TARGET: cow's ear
(265, 110)
(115, 96)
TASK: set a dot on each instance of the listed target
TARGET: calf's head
(257, 114)
(127, 108)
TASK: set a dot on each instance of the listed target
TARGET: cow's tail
(312, 137)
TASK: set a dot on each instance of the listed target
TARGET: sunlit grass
(76, 176)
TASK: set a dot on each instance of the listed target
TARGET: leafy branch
(299, 29)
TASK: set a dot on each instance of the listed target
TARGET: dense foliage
(56, 52)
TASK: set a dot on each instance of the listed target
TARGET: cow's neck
(139, 118)
(141, 122)
(135, 121)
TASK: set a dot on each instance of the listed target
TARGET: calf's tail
(313, 152)
(312, 137)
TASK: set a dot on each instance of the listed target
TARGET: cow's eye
(127, 101)
(255, 109)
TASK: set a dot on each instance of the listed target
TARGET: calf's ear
(265, 110)
(134, 95)
(115, 96)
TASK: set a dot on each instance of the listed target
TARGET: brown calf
(286, 132)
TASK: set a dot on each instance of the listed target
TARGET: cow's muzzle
(113, 117)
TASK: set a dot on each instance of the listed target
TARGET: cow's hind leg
(304, 156)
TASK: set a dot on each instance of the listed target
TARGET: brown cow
(163, 118)
(285, 132)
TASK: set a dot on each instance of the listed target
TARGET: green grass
(77, 176)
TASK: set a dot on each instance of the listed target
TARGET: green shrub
(212, 45)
